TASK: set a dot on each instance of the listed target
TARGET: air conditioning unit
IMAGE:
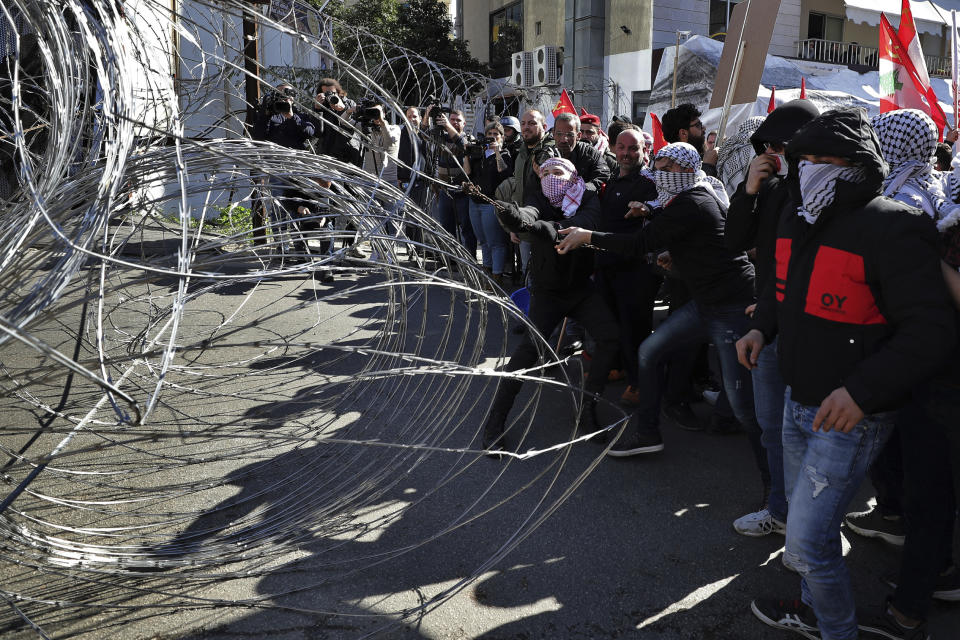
(545, 67)
(522, 69)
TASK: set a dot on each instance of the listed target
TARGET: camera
(368, 111)
(474, 149)
(278, 102)
(332, 98)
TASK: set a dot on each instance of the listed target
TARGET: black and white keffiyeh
(671, 183)
(908, 141)
(736, 153)
(818, 186)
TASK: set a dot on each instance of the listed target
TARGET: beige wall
(637, 15)
(476, 27)
(829, 7)
(550, 15)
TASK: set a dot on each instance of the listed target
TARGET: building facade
(609, 50)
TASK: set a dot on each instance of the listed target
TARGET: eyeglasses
(698, 124)
(569, 134)
(775, 147)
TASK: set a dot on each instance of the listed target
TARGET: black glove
(508, 213)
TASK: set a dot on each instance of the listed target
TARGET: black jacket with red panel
(857, 298)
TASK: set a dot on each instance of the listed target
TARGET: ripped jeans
(822, 473)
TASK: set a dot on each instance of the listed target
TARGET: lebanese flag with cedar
(904, 81)
(901, 84)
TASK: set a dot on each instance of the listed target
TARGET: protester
(736, 154)
(538, 146)
(587, 160)
(629, 284)
(561, 287)
(683, 124)
(862, 317)
(690, 226)
(752, 219)
(915, 468)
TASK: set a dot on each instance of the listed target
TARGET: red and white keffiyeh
(564, 194)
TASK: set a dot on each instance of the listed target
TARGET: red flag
(564, 105)
(803, 88)
(773, 101)
(901, 84)
(910, 42)
(659, 142)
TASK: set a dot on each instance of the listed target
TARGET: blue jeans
(491, 237)
(823, 472)
(768, 393)
(452, 212)
(689, 326)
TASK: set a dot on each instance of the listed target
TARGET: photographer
(488, 165)
(411, 147)
(335, 137)
(277, 122)
(384, 142)
(451, 210)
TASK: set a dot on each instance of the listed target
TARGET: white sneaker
(759, 524)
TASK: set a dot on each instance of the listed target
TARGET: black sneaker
(790, 615)
(946, 588)
(873, 524)
(883, 624)
(683, 416)
(634, 442)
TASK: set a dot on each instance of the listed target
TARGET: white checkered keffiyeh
(908, 140)
(818, 186)
(671, 183)
(736, 154)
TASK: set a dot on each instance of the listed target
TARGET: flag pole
(734, 77)
(955, 70)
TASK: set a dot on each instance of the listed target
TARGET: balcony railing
(849, 53)
(853, 54)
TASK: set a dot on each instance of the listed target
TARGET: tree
(422, 27)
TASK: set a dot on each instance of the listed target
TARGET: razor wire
(188, 410)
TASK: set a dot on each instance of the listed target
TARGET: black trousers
(929, 440)
(547, 311)
(630, 293)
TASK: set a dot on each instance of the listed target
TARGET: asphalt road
(567, 544)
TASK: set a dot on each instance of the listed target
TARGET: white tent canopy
(828, 86)
(930, 17)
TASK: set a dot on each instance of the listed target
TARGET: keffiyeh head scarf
(671, 183)
(736, 153)
(818, 186)
(564, 194)
(908, 141)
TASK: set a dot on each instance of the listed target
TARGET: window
(824, 27)
(720, 11)
(640, 101)
(538, 27)
(506, 37)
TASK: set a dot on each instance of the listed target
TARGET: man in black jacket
(690, 226)
(561, 286)
(862, 317)
(752, 219)
(629, 285)
(587, 160)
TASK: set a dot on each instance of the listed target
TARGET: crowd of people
(818, 254)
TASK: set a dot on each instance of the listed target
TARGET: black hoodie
(857, 300)
(752, 219)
